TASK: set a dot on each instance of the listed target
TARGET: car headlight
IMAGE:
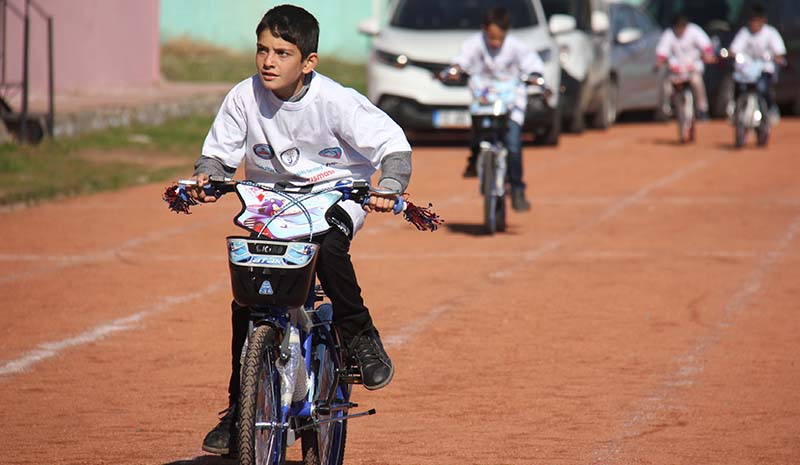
(545, 54)
(391, 59)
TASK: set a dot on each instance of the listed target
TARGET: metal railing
(23, 117)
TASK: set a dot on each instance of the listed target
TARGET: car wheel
(550, 135)
(576, 123)
(722, 105)
(796, 106)
(606, 115)
(663, 111)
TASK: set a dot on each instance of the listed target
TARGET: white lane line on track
(410, 330)
(612, 211)
(404, 334)
(691, 364)
(51, 349)
(105, 255)
(592, 255)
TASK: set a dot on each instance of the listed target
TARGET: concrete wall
(98, 44)
(232, 24)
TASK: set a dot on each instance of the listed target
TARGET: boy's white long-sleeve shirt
(513, 60)
(331, 134)
(766, 41)
(688, 48)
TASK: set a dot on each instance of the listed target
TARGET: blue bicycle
(296, 376)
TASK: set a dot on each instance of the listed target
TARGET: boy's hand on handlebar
(197, 192)
(380, 203)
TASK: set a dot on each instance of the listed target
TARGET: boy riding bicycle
(291, 125)
(686, 43)
(493, 53)
(758, 39)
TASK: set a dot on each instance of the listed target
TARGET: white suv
(581, 28)
(423, 36)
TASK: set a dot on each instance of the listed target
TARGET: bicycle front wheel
(262, 438)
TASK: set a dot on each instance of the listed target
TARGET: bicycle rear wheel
(763, 129)
(489, 199)
(500, 213)
(262, 438)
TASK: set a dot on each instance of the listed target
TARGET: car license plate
(451, 119)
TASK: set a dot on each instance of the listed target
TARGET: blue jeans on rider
(513, 142)
(764, 88)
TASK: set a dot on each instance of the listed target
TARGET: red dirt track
(644, 312)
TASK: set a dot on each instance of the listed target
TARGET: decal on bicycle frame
(280, 254)
(274, 215)
(266, 288)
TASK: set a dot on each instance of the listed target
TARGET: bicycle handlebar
(422, 218)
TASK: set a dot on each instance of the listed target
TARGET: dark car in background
(721, 19)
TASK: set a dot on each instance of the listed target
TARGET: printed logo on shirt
(290, 156)
(331, 152)
(264, 167)
(264, 151)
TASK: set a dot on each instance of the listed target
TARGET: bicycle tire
(500, 213)
(487, 182)
(763, 129)
(310, 444)
(331, 437)
(259, 401)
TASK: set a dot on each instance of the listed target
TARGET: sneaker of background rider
(774, 116)
(518, 201)
(470, 171)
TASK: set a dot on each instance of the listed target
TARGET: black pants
(338, 278)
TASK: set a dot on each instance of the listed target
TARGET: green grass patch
(190, 60)
(110, 159)
(126, 156)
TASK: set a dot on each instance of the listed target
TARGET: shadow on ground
(216, 460)
(466, 228)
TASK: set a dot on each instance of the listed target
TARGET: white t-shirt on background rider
(766, 41)
(514, 59)
(688, 48)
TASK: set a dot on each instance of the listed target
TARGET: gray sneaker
(518, 202)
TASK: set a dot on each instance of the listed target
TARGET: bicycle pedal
(350, 375)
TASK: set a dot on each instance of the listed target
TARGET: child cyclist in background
(493, 53)
(686, 43)
(758, 39)
(288, 124)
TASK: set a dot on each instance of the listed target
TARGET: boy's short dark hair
(294, 25)
(498, 16)
(757, 11)
(679, 20)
